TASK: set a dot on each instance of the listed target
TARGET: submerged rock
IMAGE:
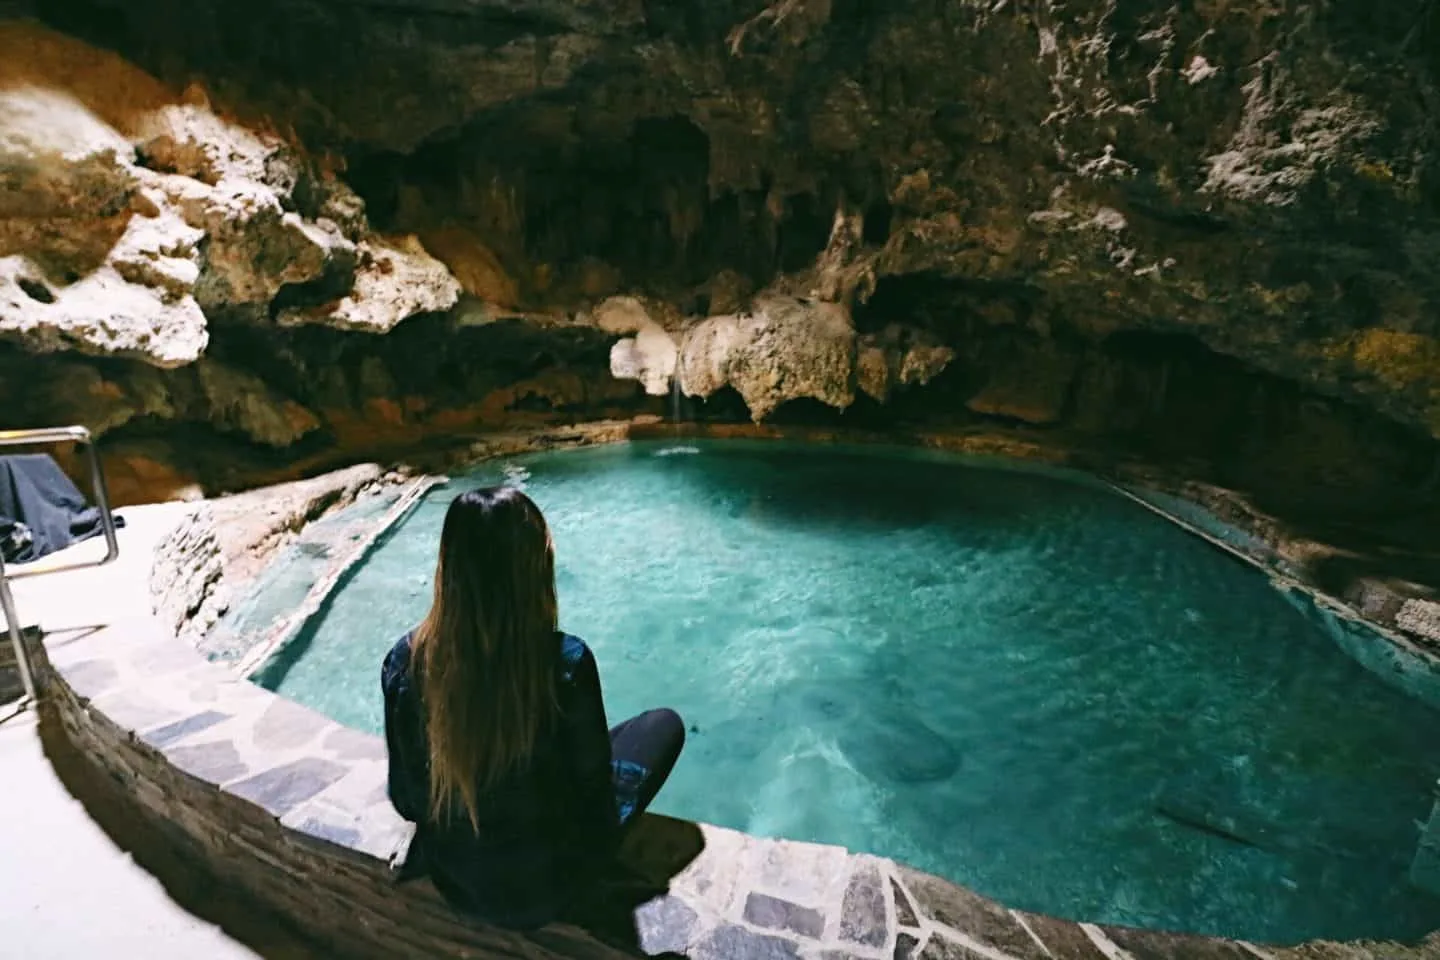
(884, 743)
(1302, 818)
(902, 749)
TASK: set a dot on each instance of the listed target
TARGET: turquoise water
(1023, 683)
(283, 586)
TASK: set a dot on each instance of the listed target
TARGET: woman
(499, 748)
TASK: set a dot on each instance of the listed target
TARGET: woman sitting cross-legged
(499, 747)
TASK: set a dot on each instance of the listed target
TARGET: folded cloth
(41, 511)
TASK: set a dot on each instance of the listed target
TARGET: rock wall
(163, 270)
(1206, 231)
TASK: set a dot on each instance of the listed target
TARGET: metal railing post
(17, 637)
(101, 496)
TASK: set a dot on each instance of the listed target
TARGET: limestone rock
(333, 200)
(79, 269)
(651, 354)
(1283, 142)
(1227, 180)
(872, 370)
(160, 252)
(103, 313)
(255, 246)
(475, 266)
(842, 268)
(898, 356)
(190, 140)
(1420, 617)
(59, 159)
(623, 315)
(728, 291)
(80, 394)
(396, 279)
(243, 402)
(1031, 385)
(187, 575)
(705, 355)
(1180, 181)
(129, 212)
(783, 349)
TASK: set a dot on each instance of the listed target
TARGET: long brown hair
(486, 654)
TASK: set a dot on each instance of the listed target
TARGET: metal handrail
(101, 495)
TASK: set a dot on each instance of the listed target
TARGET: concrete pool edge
(285, 633)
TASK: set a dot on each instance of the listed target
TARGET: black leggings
(644, 749)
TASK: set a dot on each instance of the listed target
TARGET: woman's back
(539, 832)
(499, 749)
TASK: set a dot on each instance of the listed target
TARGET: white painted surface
(66, 890)
(96, 596)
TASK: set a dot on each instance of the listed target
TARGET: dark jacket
(545, 831)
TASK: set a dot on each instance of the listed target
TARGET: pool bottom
(1085, 741)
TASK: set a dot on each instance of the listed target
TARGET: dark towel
(41, 511)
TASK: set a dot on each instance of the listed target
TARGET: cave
(1189, 248)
